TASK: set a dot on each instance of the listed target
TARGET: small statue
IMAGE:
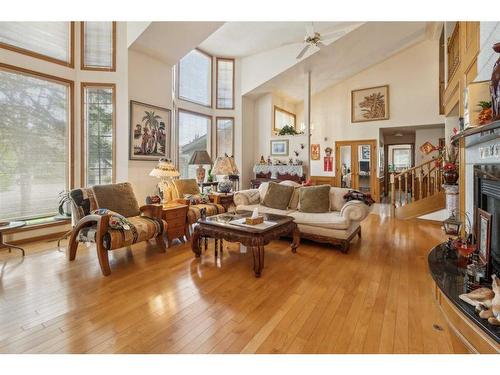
(290, 161)
(262, 161)
(495, 86)
(269, 161)
(486, 301)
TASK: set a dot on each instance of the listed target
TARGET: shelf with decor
(478, 134)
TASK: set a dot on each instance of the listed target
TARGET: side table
(10, 226)
(224, 199)
(176, 217)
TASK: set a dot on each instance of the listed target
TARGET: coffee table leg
(195, 243)
(258, 260)
(9, 245)
(296, 239)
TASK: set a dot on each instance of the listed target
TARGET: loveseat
(338, 226)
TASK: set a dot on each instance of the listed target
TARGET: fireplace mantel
(478, 134)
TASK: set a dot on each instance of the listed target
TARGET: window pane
(34, 150)
(282, 118)
(98, 122)
(50, 39)
(225, 71)
(195, 78)
(98, 44)
(225, 136)
(193, 136)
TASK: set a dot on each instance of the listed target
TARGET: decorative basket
(254, 221)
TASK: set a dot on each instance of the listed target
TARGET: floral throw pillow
(116, 221)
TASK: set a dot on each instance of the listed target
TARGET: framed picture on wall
(149, 131)
(370, 104)
(279, 147)
(483, 233)
(315, 148)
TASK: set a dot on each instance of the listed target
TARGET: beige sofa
(339, 226)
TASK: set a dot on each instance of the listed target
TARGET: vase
(495, 86)
(450, 176)
(225, 186)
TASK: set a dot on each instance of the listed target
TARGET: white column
(307, 118)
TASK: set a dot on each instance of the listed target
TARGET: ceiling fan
(315, 39)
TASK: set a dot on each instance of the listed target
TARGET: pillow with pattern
(116, 221)
(197, 198)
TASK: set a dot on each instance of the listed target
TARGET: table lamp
(165, 171)
(225, 165)
(200, 158)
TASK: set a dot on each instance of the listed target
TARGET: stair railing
(415, 183)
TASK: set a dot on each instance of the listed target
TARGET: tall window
(225, 134)
(225, 83)
(282, 118)
(193, 136)
(34, 148)
(98, 132)
(98, 41)
(195, 78)
(51, 41)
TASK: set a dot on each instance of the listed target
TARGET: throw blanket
(357, 195)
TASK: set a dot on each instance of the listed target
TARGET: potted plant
(450, 173)
(64, 203)
(288, 130)
(486, 113)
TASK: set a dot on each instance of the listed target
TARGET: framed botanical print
(279, 147)
(483, 234)
(370, 104)
(149, 131)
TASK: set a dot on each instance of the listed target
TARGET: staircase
(417, 191)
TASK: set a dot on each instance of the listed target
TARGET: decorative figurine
(262, 161)
(495, 86)
(486, 301)
(269, 161)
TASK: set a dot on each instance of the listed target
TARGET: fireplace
(487, 198)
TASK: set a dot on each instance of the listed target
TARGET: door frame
(354, 162)
(386, 161)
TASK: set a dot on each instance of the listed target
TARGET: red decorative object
(450, 176)
(427, 148)
(463, 248)
(495, 86)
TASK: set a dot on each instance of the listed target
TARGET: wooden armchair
(145, 222)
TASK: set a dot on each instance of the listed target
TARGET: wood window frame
(71, 112)
(209, 131)
(178, 80)
(83, 135)
(217, 118)
(275, 131)
(82, 51)
(217, 59)
(36, 55)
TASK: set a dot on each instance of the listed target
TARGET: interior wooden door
(356, 165)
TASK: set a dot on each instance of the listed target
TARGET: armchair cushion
(197, 198)
(194, 211)
(142, 228)
(118, 198)
(83, 203)
(183, 187)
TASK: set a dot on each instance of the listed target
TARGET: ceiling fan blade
(333, 34)
(302, 53)
(320, 44)
(310, 29)
(289, 43)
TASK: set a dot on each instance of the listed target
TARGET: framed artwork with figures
(483, 235)
(149, 132)
(370, 104)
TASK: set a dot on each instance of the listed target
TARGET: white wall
(412, 76)
(426, 135)
(149, 81)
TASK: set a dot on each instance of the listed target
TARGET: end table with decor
(175, 215)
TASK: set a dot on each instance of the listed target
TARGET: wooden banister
(427, 176)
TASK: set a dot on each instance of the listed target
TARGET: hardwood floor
(375, 299)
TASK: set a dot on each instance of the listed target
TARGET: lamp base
(200, 174)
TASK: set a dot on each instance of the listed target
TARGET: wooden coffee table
(220, 227)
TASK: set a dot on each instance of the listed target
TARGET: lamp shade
(224, 165)
(164, 169)
(200, 157)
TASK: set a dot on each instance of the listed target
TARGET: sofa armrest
(246, 197)
(354, 210)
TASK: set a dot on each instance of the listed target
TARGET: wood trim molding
(217, 118)
(83, 153)
(36, 55)
(71, 111)
(217, 82)
(178, 78)
(112, 68)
